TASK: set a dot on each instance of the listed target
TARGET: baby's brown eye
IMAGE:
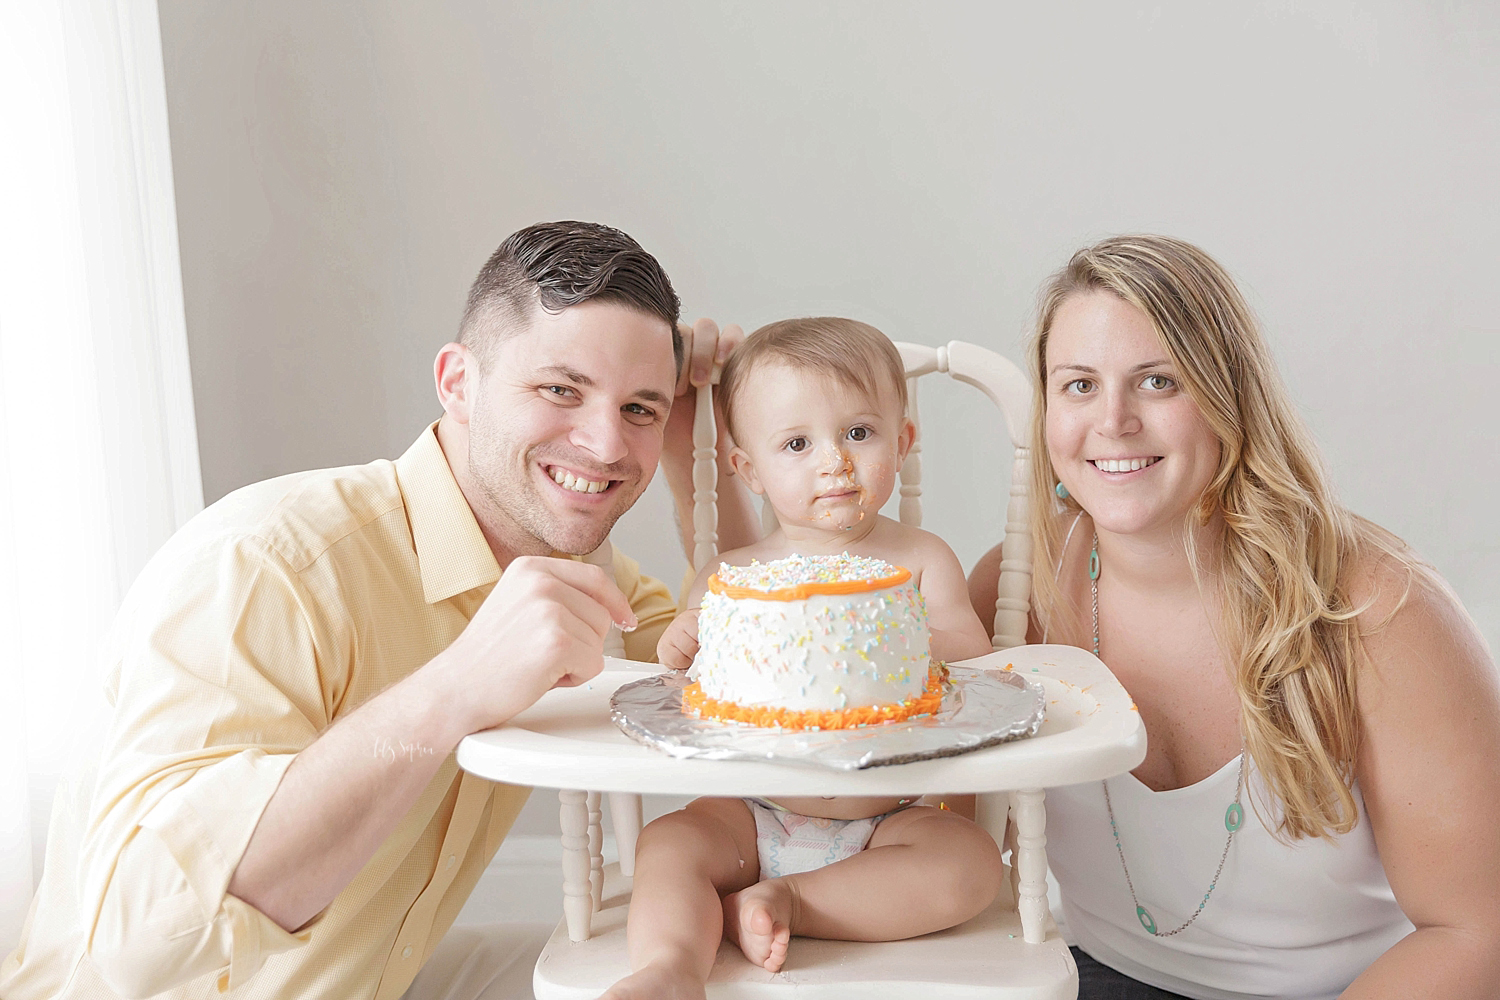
(859, 433)
(797, 444)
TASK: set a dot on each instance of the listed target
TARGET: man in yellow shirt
(277, 811)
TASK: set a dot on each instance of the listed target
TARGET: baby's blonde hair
(1288, 628)
(851, 353)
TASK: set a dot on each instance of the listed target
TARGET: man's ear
(905, 440)
(456, 371)
(740, 462)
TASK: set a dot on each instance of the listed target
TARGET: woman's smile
(1117, 466)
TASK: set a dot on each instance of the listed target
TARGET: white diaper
(789, 843)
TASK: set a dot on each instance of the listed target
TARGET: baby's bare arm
(679, 643)
(957, 632)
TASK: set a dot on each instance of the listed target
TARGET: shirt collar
(451, 551)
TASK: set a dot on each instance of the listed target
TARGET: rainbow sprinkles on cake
(813, 642)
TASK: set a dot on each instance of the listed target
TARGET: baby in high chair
(817, 411)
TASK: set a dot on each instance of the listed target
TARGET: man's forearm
(341, 798)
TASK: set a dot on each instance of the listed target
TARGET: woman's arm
(1430, 706)
(984, 587)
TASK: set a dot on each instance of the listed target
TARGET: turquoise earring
(1062, 492)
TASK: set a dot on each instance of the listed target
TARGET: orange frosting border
(802, 591)
(695, 702)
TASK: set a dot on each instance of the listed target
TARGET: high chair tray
(567, 740)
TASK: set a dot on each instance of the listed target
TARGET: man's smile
(577, 482)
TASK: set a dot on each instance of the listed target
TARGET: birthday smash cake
(813, 642)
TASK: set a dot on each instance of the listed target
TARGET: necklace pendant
(1234, 817)
(1094, 562)
(1144, 916)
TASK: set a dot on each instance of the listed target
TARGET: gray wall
(343, 169)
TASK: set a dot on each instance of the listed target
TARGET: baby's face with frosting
(825, 454)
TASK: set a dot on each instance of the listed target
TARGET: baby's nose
(837, 460)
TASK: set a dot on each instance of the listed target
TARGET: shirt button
(406, 952)
(452, 860)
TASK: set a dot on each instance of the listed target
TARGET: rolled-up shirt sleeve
(213, 700)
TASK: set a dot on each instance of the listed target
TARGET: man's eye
(638, 413)
(564, 391)
(859, 434)
(1157, 382)
(796, 444)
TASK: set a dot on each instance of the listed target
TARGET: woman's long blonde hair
(1288, 627)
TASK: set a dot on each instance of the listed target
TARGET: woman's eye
(1157, 382)
(1079, 386)
(796, 444)
(859, 434)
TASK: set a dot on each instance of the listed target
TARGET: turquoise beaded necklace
(1234, 816)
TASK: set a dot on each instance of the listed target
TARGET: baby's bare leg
(684, 862)
(924, 870)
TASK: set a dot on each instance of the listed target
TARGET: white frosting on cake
(817, 650)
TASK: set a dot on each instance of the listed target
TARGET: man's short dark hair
(553, 265)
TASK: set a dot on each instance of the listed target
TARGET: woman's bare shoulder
(1425, 669)
(1409, 615)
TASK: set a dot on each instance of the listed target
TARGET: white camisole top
(1298, 922)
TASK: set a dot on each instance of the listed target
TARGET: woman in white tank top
(1318, 813)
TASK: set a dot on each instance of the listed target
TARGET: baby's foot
(656, 982)
(759, 919)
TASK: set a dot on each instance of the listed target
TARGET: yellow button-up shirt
(268, 617)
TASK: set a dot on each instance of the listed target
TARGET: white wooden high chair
(1012, 950)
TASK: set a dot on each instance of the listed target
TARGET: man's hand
(704, 348)
(679, 643)
(543, 626)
